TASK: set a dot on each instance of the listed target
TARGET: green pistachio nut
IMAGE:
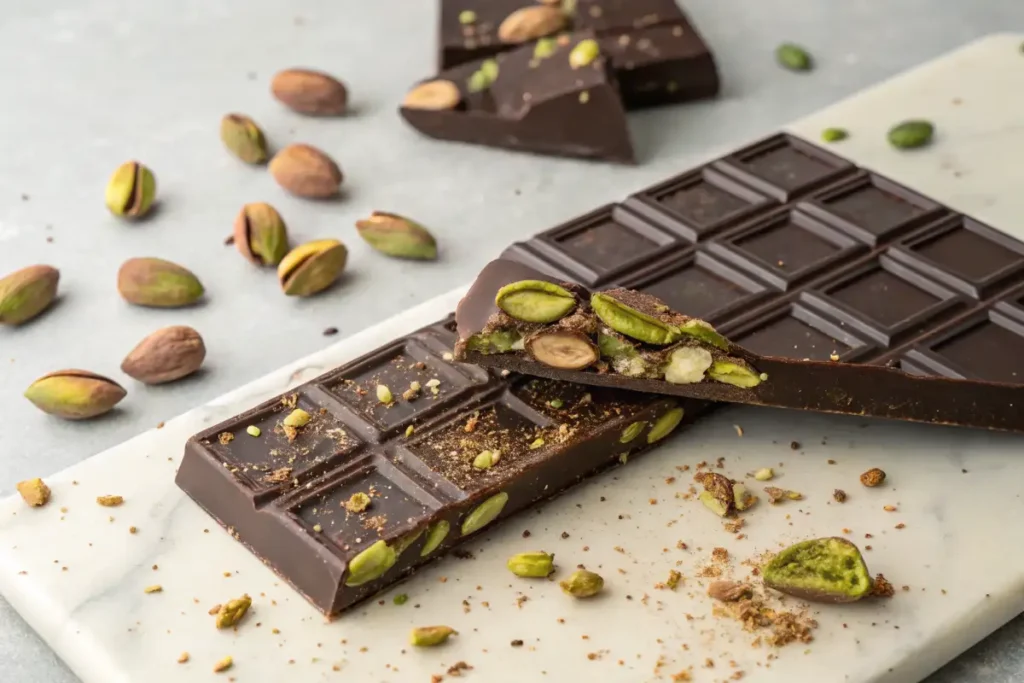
(911, 134)
(499, 341)
(75, 394)
(397, 236)
(371, 564)
(631, 322)
(735, 373)
(485, 460)
(26, 293)
(131, 190)
(297, 418)
(665, 425)
(532, 565)
(484, 77)
(544, 48)
(632, 431)
(582, 584)
(311, 268)
(260, 234)
(823, 570)
(702, 331)
(243, 138)
(687, 365)
(484, 513)
(435, 536)
(430, 636)
(535, 301)
(834, 134)
(232, 612)
(157, 283)
(585, 52)
(793, 57)
(711, 503)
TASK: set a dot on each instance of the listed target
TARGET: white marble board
(78, 578)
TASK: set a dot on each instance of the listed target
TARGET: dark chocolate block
(538, 102)
(657, 55)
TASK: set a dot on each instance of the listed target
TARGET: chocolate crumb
(330, 331)
(517, 643)
(882, 588)
(795, 445)
(839, 495)
(873, 477)
(526, 533)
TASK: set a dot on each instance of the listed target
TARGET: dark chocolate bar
(657, 55)
(515, 318)
(365, 492)
(556, 97)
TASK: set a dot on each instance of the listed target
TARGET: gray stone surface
(88, 84)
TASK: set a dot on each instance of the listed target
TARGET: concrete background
(88, 84)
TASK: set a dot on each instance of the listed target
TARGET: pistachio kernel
(401, 599)
(486, 460)
(665, 425)
(823, 570)
(484, 514)
(384, 394)
(232, 612)
(544, 48)
(467, 17)
(535, 565)
(793, 57)
(435, 536)
(535, 301)
(582, 584)
(585, 52)
(834, 134)
(631, 322)
(253, 431)
(358, 502)
(736, 373)
(371, 564)
(297, 418)
(430, 636)
(632, 431)
(536, 443)
(764, 474)
(911, 134)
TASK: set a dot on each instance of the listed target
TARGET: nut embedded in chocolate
(535, 301)
(562, 349)
(829, 570)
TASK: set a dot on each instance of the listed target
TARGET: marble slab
(77, 572)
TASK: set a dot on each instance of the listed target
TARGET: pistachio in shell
(830, 570)
(310, 92)
(26, 293)
(157, 283)
(535, 301)
(436, 95)
(260, 234)
(531, 23)
(131, 190)
(75, 394)
(165, 356)
(397, 236)
(243, 138)
(312, 267)
(305, 171)
(631, 322)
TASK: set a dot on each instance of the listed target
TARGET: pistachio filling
(687, 365)
(828, 567)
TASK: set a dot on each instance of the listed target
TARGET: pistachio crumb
(447, 355)
(110, 501)
(34, 492)
(183, 657)
(223, 665)
(764, 474)
(253, 431)
(384, 394)
(153, 589)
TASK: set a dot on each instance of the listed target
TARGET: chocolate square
(795, 330)
(986, 346)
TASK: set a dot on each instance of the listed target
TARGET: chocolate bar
(553, 97)
(792, 252)
(656, 54)
(515, 318)
(364, 484)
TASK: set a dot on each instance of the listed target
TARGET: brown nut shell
(26, 293)
(310, 92)
(305, 171)
(75, 394)
(165, 356)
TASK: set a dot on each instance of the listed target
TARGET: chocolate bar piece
(515, 318)
(792, 252)
(381, 481)
(657, 55)
(553, 97)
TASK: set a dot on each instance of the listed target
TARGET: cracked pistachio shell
(26, 293)
(75, 394)
(736, 374)
(484, 514)
(397, 236)
(157, 283)
(260, 234)
(131, 190)
(371, 564)
(243, 138)
(665, 425)
(312, 267)
(535, 301)
(828, 570)
(631, 322)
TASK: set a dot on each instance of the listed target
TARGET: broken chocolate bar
(556, 96)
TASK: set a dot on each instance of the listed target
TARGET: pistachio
(582, 584)
(562, 349)
(371, 564)
(632, 431)
(536, 565)
(484, 513)
(26, 293)
(305, 171)
(166, 355)
(484, 77)
(834, 134)
(585, 52)
(713, 504)
(312, 267)
(358, 502)
(435, 95)
(404, 542)
(742, 498)
(310, 92)
(430, 636)
(74, 394)
(702, 331)
(243, 138)
(158, 283)
(687, 365)
(544, 48)
(253, 431)
(764, 474)
(719, 495)
(793, 57)
(131, 190)
(530, 23)
(223, 665)
(736, 373)
(297, 418)
(823, 570)
(35, 492)
(911, 134)
(535, 301)
(631, 322)
(401, 599)
(486, 460)
(435, 536)
(384, 394)
(397, 236)
(665, 425)
(232, 611)
(467, 16)
(260, 234)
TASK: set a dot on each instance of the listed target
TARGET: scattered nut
(131, 190)
(729, 591)
(110, 501)
(358, 502)
(311, 268)
(167, 355)
(305, 171)
(430, 636)
(232, 612)
(75, 394)
(26, 293)
(434, 96)
(873, 477)
(34, 492)
(243, 138)
(310, 92)
(157, 283)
